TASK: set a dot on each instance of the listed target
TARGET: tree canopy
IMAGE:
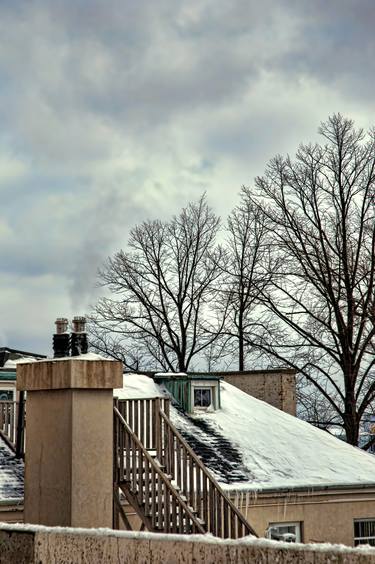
(158, 313)
(321, 304)
(293, 279)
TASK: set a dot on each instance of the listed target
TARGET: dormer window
(204, 394)
(197, 392)
(202, 397)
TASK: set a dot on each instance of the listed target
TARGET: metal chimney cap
(61, 325)
(79, 324)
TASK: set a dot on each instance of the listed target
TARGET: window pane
(288, 532)
(6, 395)
(202, 397)
(364, 532)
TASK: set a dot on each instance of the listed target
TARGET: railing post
(115, 446)
(20, 438)
(157, 423)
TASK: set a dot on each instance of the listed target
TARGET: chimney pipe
(61, 340)
(79, 344)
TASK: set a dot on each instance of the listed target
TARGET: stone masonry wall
(276, 387)
(42, 545)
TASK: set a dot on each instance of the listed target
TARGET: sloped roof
(251, 445)
(11, 475)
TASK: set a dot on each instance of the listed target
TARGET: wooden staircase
(163, 479)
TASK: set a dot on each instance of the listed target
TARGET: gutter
(14, 502)
(303, 489)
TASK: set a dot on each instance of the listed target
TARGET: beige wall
(49, 546)
(325, 516)
(69, 429)
(276, 387)
(11, 513)
(69, 435)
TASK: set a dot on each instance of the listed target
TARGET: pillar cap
(70, 373)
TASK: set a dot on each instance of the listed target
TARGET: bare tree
(117, 346)
(321, 212)
(246, 273)
(161, 289)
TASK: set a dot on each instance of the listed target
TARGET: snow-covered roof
(138, 386)
(250, 445)
(12, 363)
(11, 475)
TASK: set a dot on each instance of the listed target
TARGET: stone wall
(42, 545)
(276, 387)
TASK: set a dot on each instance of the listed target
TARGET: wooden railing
(8, 421)
(143, 417)
(147, 487)
(196, 483)
(148, 421)
(12, 423)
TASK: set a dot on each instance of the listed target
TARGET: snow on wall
(50, 545)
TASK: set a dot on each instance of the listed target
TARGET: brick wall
(276, 387)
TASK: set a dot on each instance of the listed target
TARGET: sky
(115, 112)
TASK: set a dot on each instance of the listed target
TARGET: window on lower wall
(364, 531)
(286, 532)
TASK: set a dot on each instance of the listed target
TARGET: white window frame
(364, 539)
(204, 384)
(195, 389)
(12, 390)
(297, 530)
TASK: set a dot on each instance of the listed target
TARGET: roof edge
(311, 490)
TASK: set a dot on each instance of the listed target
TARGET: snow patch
(207, 539)
(88, 356)
(12, 363)
(138, 386)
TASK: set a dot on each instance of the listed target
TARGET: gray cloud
(113, 112)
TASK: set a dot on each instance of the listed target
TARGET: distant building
(291, 480)
(7, 355)
(8, 362)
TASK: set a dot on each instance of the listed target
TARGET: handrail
(140, 482)
(220, 524)
(8, 422)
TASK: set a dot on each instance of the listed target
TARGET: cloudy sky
(115, 111)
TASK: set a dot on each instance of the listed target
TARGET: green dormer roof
(190, 376)
(7, 375)
(181, 386)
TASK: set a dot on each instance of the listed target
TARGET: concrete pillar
(69, 441)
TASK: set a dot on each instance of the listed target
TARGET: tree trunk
(241, 347)
(351, 423)
(352, 431)
(241, 364)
